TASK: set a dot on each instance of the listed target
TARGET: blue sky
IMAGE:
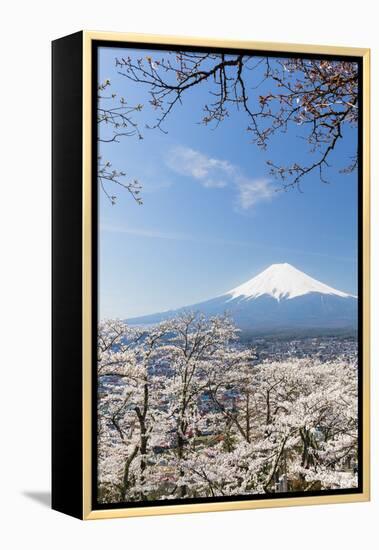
(212, 216)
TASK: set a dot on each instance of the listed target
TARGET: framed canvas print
(210, 275)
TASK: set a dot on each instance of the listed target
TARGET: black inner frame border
(95, 45)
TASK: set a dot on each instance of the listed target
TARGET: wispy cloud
(217, 173)
(208, 171)
(149, 233)
(251, 191)
(186, 237)
(170, 236)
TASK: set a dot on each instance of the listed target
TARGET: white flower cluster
(184, 411)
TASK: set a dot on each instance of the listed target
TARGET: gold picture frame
(84, 47)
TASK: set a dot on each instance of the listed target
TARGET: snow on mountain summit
(283, 282)
(265, 304)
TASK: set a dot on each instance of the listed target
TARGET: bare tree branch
(318, 98)
(114, 119)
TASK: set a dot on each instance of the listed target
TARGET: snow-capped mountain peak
(282, 282)
(265, 304)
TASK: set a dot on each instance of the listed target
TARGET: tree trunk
(125, 481)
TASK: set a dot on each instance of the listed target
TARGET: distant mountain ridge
(280, 297)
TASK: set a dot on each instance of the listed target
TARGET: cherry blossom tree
(315, 98)
(185, 410)
(126, 404)
(115, 121)
(196, 350)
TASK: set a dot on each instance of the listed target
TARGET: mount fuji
(279, 298)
